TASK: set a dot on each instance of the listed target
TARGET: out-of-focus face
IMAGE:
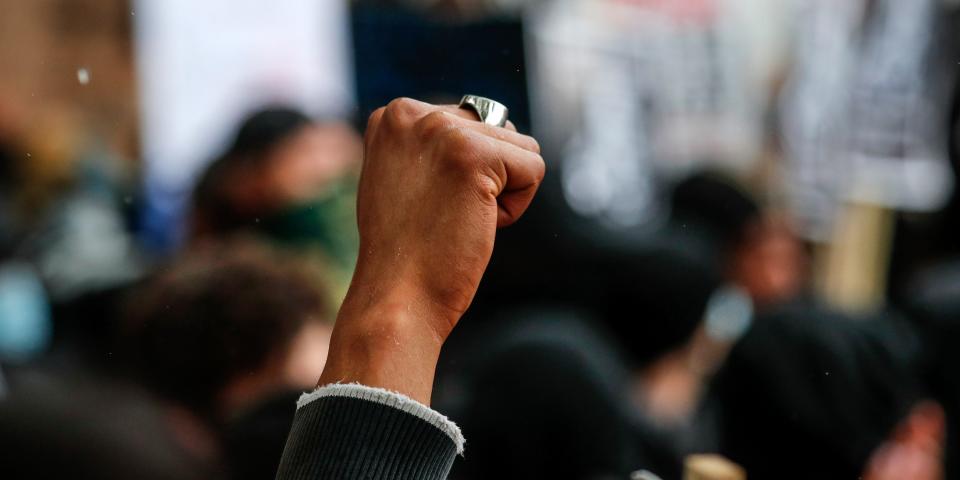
(770, 262)
(304, 165)
(299, 169)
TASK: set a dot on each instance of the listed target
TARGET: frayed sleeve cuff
(390, 399)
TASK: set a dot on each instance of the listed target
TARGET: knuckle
(433, 125)
(534, 145)
(458, 149)
(400, 111)
(399, 103)
(456, 141)
(374, 119)
(373, 122)
(392, 118)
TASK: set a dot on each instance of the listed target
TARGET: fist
(435, 185)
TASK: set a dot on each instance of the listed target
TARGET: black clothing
(809, 393)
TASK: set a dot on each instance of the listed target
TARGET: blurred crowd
(746, 244)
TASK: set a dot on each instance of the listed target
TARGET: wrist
(393, 292)
(384, 343)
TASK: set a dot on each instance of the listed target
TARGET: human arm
(434, 188)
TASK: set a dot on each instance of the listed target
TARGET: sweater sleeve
(354, 431)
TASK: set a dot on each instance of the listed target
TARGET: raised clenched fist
(435, 186)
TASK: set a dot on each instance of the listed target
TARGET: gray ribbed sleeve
(358, 432)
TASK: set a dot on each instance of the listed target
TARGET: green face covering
(324, 226)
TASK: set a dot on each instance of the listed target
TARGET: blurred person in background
(757, 263)
(579, 375)
(758, 251)
(798, 352)
(291, 181)
(67, 249)
(760, 264)
(266, 180)
(810, 393)
(653, 304)
(541, 394)
(93, 430)
(229, 335)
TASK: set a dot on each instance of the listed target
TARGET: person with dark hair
(92, 430)
(226, 197)
(290, 180)
(569, 374)
(222, 334)
(652, 302)
(758, 251)
(809, 393)
(543, 393)
(220, 329)
(716, 202)
(266, 128)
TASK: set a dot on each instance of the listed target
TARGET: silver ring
(490, 112)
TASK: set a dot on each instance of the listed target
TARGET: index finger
(508, 133)
(472, 115)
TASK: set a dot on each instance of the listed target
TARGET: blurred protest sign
(860, 113)
(638, 93)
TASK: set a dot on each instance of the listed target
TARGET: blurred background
(747, 243)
